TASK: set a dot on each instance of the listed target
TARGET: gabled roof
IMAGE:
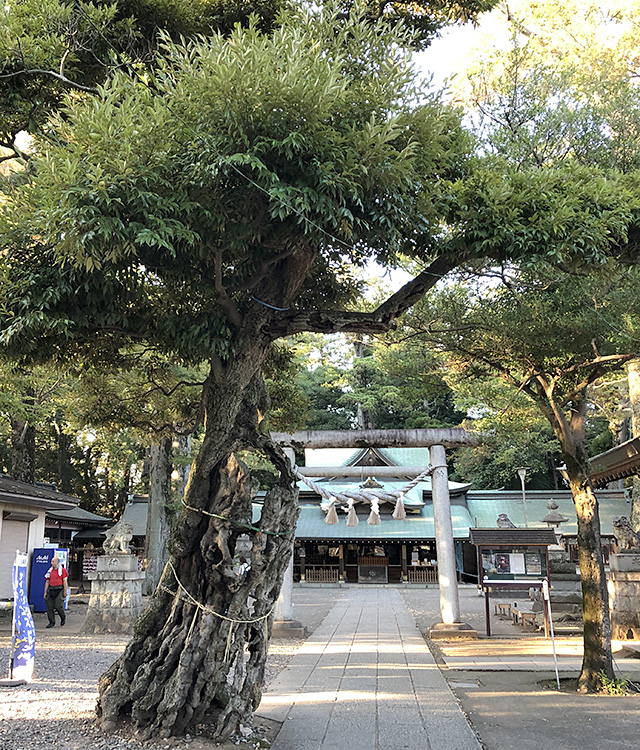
(370, 457)
(22, 493)
(135, 513)
(78, 515)
(366, 456)
(616, 463)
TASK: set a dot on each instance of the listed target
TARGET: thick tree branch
(52, 74)
(599, 369)
(225, 302)
(378, 321)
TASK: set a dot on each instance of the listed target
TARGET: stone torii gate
(436, 440)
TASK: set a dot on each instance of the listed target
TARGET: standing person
(56, 587)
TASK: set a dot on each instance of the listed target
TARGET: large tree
(189, 215)
(209, 210)
(550, 335)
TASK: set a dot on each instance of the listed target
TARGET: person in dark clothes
(56, 587)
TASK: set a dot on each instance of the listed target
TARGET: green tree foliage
(424, 18)
(549, 335)
(158, 230)
(51, 47)
(514, 434)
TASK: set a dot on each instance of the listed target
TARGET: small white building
(22, 522)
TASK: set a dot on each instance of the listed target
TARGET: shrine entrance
(376, 558)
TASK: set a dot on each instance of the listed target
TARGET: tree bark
(199, 650)
(597, 658)
(65, 469)
(158, 517)
(23, 451)
(633, 378)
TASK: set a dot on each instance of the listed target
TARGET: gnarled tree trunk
(199, 650)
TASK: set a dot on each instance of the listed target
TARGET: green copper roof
(486, 505)
(345, 456)
(311, 525)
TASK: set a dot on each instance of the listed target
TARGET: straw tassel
(399, 514)
(352, 516)
(332, 515)
(374, 516)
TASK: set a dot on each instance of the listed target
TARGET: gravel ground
(57, 709)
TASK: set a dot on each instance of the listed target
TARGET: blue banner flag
(24, 631)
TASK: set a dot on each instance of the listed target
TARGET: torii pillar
(450, 627)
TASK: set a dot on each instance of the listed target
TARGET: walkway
(365, 680)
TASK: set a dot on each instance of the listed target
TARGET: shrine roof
(417, 526)
(486, 505)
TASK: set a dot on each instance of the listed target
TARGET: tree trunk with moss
(199, 650)
(597, 659)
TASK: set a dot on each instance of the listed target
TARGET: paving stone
(374, 684)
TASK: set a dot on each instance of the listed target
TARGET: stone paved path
(365, 680)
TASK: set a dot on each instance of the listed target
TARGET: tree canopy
(220, 197)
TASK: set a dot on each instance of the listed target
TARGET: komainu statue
(118, 538)
(628, 540)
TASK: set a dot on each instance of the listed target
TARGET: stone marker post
(624, 596)
(284, 624)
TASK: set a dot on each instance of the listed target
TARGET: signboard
(505, 565)
(40, 565)
(23, 642)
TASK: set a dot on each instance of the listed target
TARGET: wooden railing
(428, 575)
(321, 575)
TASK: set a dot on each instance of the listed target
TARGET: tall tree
(549, 336)
(208, 213)
(198, 217)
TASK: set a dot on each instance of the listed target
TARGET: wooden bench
(503, 610)
(525, 619)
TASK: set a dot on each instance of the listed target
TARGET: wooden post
(303, 560)
(403, 558)
(342, 575)
(487, 612)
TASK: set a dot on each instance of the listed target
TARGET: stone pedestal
(116, 595)
(624, 596)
